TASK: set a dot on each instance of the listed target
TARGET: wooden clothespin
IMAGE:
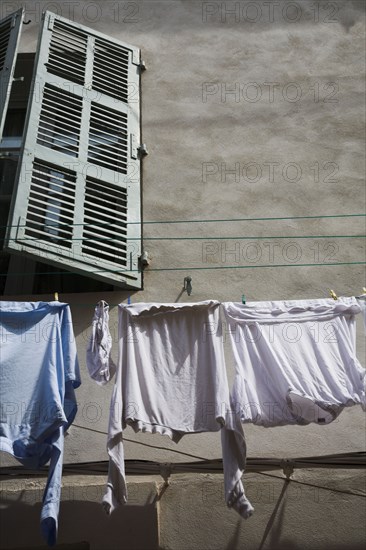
(333, 294)
(56, 296)
(363, 290)
(243, 299)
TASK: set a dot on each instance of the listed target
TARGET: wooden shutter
(10, 29)
(77, 203)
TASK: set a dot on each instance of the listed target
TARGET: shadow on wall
(130, 527)
(272, 538)
(83, 525)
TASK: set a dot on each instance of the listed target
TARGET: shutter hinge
(144, 259)
(51, 20)
(133, 146)
(142, 66)
(143, 150)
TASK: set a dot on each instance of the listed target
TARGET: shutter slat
(105, 134)
(58, 102)
(116, 198)
(51, 113)
(108, 147)
(52, 193)
(101, 151)
(60, 60)
(71, 40)
(67, 53)
(110, 115)
(49, 216)
(104, 218)
(115, 146)
(118, 92)
(56, 131)
(110, 62)
(50, 220)
(61, 218)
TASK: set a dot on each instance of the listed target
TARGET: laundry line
(223, 220)
(272, 218)
(205, 238)
(186, 268)
(345, 461)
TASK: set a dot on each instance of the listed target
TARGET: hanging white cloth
(98, 353)
(295, 360)
(171, 379)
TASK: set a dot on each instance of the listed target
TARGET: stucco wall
(317, 510)
(254, 114)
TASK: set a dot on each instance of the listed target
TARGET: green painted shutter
(77, 202)
(10, 29)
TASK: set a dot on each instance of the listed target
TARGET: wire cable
(186, 268)
(237, 238)
(223, 220)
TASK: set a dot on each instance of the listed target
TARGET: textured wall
(249, 110)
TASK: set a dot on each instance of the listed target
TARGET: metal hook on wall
(187, 285)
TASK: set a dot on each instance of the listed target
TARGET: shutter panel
(10, 29)
(77, 202)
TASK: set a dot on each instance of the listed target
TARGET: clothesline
(111, 305)
(272, 218)
(236, 238)
(346, 461)
(188, 268)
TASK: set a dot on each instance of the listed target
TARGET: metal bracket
(144, 259)
(143, 150)
(133, 148)
(187, 285)
(165, 472)
(142, 66)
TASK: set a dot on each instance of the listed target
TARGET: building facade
(232, 154)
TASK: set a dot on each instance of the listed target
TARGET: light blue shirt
(39, 371)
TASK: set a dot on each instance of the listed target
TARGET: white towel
(295, 361)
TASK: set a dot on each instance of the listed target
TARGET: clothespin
(165, 472)
(243, 299)
(56, 296)
(363, 290)
(288, 466)
(333, 294)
